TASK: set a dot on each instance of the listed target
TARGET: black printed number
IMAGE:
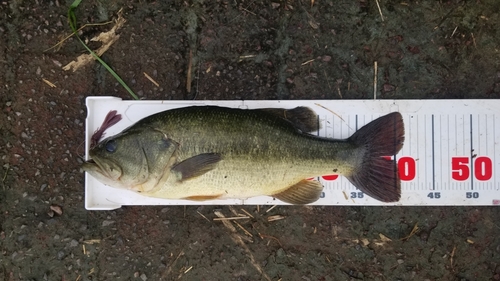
(357, 195)
(472, 195)
(434, 195)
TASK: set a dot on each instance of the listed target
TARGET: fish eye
(110, 146)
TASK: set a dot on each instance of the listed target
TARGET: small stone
(60, 255)
(326, 58)
(144, 277)
(107, 222)
(73, 243)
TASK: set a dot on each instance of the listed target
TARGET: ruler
(450, 155)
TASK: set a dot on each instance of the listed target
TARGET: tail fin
(375, 175)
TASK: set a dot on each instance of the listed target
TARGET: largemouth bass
(209, 152)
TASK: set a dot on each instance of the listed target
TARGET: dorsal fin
(302, 118)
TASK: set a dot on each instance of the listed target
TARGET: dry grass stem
(345, 195)
(233, 210)
(169, 269)
(473, 40)
(92, 241)
(306, 62)
(275, 218)
(230, 218)
(187, 270)
(412, 232)
(338, 88)
(452, 255)
(248, 11)
(59, 44)
(246, 212)
(247, 57)
(327, 81)
(380, 10)
(52, 85)
(151, 79)
(375, 74)
(384, 238)
(242, 228)
(203, 216)
(238, 239)
(269, 210)
(262, 236)
(333, 112)
(190, 67)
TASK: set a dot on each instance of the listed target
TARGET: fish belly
(241, 179)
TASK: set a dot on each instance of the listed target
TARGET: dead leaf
(56, 209)
(107, 39)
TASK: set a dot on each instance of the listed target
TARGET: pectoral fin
(196, 165)
(303, 192)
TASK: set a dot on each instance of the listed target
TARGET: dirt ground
(239, 50)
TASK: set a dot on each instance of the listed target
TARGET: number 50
(460, 171)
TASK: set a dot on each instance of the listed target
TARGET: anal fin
(203, 197)
(303, 192)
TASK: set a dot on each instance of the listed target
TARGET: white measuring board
(450, 155)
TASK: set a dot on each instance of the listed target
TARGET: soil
(239, 50)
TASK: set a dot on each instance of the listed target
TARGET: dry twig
(151, 79)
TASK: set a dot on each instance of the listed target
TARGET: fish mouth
(90, 166)
(93, 167)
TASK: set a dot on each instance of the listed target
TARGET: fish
(210, 152)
